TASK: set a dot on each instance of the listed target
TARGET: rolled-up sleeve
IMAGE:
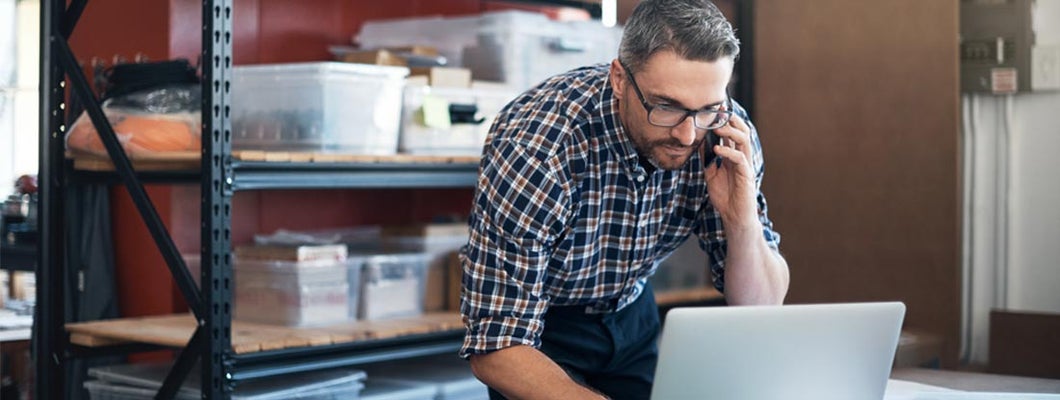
(519, 209)
(710, 230)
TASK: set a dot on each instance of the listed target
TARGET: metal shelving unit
(220, 176)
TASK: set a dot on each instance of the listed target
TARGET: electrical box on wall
(999, 52)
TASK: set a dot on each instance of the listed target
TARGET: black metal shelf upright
(220, 176)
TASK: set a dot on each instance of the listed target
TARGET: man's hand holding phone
(731, 176)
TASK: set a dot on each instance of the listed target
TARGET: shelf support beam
(216, 322)
(49, 339)
(182, 367)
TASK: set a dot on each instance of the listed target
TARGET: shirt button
(640, 178)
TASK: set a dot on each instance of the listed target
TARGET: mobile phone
(708, 155)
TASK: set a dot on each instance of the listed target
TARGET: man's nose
(685, 132)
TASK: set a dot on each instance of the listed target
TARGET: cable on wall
(1003, 166)
(968, 132)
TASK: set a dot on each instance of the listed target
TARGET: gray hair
(694, 29)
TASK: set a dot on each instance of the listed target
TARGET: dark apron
(613, 353)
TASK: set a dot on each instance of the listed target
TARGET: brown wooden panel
(1025, 344)
(857, 106)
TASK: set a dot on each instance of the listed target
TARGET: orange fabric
(138, 134)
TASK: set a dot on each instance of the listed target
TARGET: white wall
(1034, 243)
(1034, 225)
(1029, 211)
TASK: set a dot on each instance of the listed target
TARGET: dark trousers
(614, 353)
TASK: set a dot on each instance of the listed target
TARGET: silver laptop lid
(820, 351)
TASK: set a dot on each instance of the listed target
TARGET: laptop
(820, 351)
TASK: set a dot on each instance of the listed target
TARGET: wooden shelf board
(183, 161)
(176, 330)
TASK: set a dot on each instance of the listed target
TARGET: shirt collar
(614, 135)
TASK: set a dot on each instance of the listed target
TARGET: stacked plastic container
(450, 376)
(461, 137)
(382, 278)
(292, 293)
(439, 242)
(271, 288)
(523, 49)
(392, 285)
(386, 390)
(142, 381)
(515, 47)
(317, 107)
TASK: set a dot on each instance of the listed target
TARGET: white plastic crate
(460, 138)
(448, 374)
(291, 293)
(320, 107)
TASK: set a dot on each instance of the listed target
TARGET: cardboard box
(377, 57)
(444, 76)
(396, 56)
(454, 277)
(415, 50)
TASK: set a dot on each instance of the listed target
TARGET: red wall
(264, 31)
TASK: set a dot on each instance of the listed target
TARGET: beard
(661, 152)
(656, 151)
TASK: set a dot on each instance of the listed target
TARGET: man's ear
(618, 79)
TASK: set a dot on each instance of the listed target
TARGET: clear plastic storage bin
(467, 131)
(447, 34)
(392, 285)
(291, 293)
(515, 47)
(448, 374)
(389, 390)
(142, 381)
(321, 107)
(523, 49)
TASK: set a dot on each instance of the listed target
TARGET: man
(587, 182)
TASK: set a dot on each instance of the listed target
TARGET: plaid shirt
(565, 214)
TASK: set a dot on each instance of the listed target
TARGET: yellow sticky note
(436, 112)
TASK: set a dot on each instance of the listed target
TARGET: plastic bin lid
(393, 390)
(279, 71)
(150, 376)
(104, 389)
(391, 257)
(287, 267)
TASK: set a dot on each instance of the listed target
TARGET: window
(19, 71)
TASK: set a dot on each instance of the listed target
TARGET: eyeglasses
(670, 116)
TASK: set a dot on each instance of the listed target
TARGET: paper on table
(984, 396)
(905, 390)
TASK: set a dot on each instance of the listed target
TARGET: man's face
(666, 79)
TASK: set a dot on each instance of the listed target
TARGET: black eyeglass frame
(722, 115)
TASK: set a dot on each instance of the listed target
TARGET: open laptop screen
(821, 351)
